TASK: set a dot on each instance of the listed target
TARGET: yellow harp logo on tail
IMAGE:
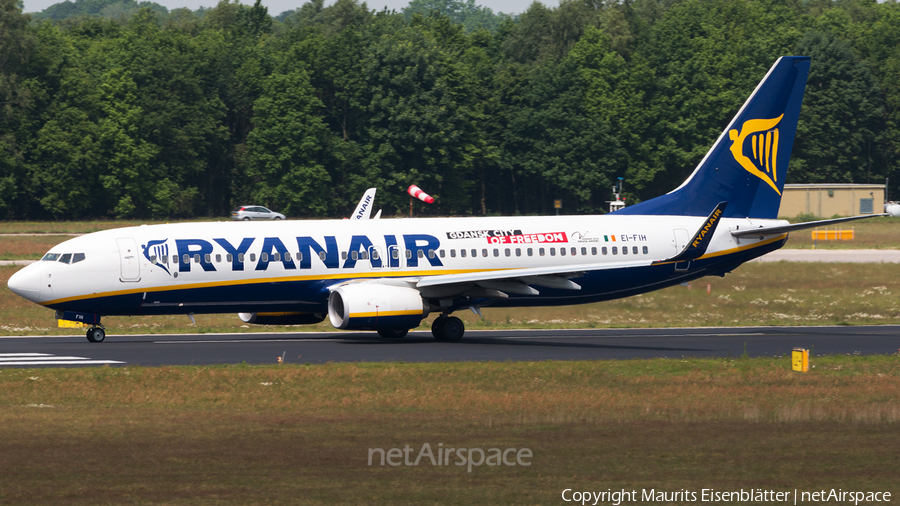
(764, 148)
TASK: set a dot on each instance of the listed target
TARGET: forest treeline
(159, 114)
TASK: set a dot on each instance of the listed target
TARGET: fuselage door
(129, 259)
(681, 240)
(375, 257)
(393, 259)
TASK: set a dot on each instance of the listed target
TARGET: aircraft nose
(26, 283)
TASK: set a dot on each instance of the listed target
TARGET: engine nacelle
(281, 318)
(372, 306)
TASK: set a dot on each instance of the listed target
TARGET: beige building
(827, 200)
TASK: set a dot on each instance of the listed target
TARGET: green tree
(841, 120)
(282, 161)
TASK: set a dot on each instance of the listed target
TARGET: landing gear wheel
(450, 330)
(393, 333)
(96, 335)
(437, 326)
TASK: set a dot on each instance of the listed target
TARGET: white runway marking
(46, 359)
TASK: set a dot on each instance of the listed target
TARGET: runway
(419, 346)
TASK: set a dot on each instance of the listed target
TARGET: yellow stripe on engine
(379, 314)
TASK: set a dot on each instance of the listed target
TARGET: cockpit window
(63, 257)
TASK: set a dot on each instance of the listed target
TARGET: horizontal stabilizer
(783, 229)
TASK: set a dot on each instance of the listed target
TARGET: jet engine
(373, 306)
(281, 318)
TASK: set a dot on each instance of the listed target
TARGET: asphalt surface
(506, 345)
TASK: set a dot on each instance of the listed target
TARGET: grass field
(297, 434)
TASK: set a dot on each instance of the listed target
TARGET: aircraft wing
(764, 231)
(517, 280)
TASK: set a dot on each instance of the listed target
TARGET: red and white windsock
(417, 192)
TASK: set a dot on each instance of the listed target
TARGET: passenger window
(474, 252)
(152, 259)
(497, 252)
(229, 258)
(541, 251)
(264, 257)
(364, 255)
(431, 253)
(604, 250)
(287, 256)
(354, 255)
(507, 252)
(518, 252)
(375, 254)
(65, 258)
(594, 250)
(553, 252)
(452, 253)
(77, 257)
(615, 251)
(299, 256)
(408, 254)
(196, 258)
(462, 253)
(240, 257)
(646, 250)
(530, 251)
(343, 255)
(634, 250)
(624, 250)
(186, 258)
(484, 252)
(321, 256)
(421, 254)
(562, 252)
(207, 258)
(218, 258)
(575, 251)
(252, 257)
(442, 253)
(395, 254)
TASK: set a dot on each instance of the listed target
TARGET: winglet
(364, 208)
(696, 248)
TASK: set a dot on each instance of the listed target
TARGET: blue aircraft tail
(747, 165)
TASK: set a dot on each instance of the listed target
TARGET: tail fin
(748, 163)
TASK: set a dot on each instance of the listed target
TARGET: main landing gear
(448, 328)
(96, 334)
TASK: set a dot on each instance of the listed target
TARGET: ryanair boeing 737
(389, 274)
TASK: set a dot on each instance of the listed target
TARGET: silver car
(255, 213)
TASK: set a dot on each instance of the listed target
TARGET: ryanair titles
(710, 222)
(199, 252)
